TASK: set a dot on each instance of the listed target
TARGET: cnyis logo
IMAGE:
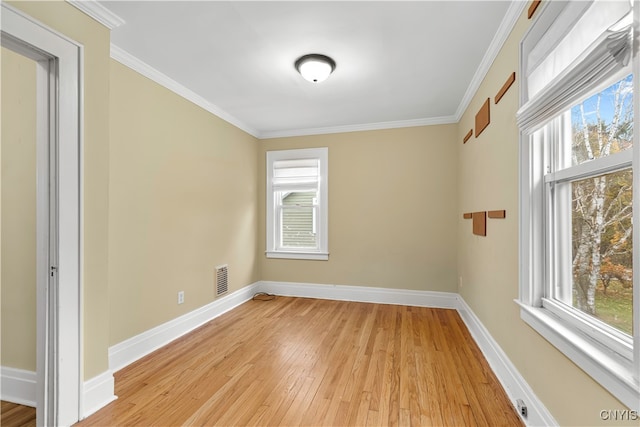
(619, 415)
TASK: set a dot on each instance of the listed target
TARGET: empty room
(339, 213)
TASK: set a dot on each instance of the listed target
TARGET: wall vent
(222, 279)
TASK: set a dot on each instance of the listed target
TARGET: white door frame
(59, 284)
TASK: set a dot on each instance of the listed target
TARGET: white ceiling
(398, 63)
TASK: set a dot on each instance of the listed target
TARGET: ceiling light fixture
(315, 67)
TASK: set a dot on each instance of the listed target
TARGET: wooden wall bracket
(467, 136)
(532, 8)
(480, 223)
(480, 220)
(505, 87)
(483, 117)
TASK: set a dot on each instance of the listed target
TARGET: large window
(297, 189)
(588, 186)
(578, 187)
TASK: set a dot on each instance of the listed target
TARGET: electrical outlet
(522, 408)
(459, 282)
(180, 297)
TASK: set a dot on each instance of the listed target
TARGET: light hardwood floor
(295, 361)
(13, 415)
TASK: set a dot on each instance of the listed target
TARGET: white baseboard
(128, 351)
(97, 393)
(362, 294)
(514, 384)
(18, 386)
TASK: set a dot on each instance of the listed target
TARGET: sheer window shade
(578, 45)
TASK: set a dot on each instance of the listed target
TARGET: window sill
(316, 256)
(612, 371)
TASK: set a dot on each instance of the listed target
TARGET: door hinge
(54, 269)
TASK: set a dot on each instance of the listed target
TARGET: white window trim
(610, 361)
(610, 365)
(612, 371)
(322, 252)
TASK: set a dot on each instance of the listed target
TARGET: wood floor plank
(394, 372)
(295, 361)
(14, 415)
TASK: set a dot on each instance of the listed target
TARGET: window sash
(592, 168)
(282, 208)
(558, 283)
(558, 287)
(280, 244)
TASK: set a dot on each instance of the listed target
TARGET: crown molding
(360, 127)
(125, 58)
(98, 12)
(162, 79)
(511, 17)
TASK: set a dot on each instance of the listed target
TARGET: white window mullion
(550, 279)
(315, 215)
(278, 227)
(563, 205)
(532, 219)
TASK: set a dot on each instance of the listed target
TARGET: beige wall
(488, 266)
(392, 210)
(74, 24)
(182, 200)
(18, 212)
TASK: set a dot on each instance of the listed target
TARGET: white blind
(571, 48)
(296, 174)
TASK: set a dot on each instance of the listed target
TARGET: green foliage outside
(615, 307)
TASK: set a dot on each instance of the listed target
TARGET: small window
(297, 191)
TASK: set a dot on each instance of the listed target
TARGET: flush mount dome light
(315, 67)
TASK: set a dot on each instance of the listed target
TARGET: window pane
(602, 248)
(603, 124)
(298, 217)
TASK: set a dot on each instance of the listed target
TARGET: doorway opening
(56, 389)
